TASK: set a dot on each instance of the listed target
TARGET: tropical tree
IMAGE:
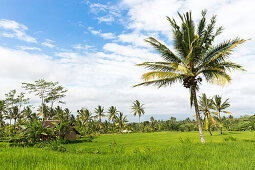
(99, 112)
(2, 111)
(196, 58)
(84, 115)
(15, 114)
(152, 123)
(138, 109)
(27, 114)
(112, 113)
(220, 107)
(41, 88)
(205, 105)
(121, 120)
(55, 94)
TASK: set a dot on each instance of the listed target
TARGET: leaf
(43, 133)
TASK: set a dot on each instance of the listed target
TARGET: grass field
(163, 150)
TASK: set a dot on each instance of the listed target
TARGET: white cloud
(29, 48)
(129, 51)
(82, 47)
(108, 35)
(107, 19)
(136, 39)
(12, 29)
(150, 15)
(33, 66)
(48, 43)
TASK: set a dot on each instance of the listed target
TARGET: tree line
(27, 124)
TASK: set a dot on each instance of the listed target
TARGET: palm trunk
(220, 122)
(193, 90)
(139, 125)
(209, 129)
(42, 110)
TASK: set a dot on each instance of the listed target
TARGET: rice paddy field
(162, 150)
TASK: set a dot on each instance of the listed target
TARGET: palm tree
(2, 111)
(99, 112)
(112, 112)
(27, 114)
(16, 114)
(220, 107)
(84, 115)
(205, 105)
(121, 120)
(196, 58)
(138, 109)
(152, 122)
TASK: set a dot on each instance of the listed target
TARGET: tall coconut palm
(205, 105)
(220, 107)
(196, 58)
(99, 112)
(138, 109)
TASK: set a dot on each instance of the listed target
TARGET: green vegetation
(162, 150)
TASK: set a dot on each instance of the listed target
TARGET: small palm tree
(220, 107)
(196, 58)
(99, 112)
(205, 105)
(138, 109)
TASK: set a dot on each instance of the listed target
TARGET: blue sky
(91, 48)
(63, 21)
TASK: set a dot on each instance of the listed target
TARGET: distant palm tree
(152, 122)
(121, 120)
(84, 115)
(15, 114)
(138, 109)
(27, 114)
(220, 107)
(99, 112)
(196, 58)
(205, 105)
(112, 113)
(2, 111)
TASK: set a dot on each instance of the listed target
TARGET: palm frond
(158, 75)
(220, 52)
(167, 67)
(165, 52)
(161, 82)
(216, 76)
